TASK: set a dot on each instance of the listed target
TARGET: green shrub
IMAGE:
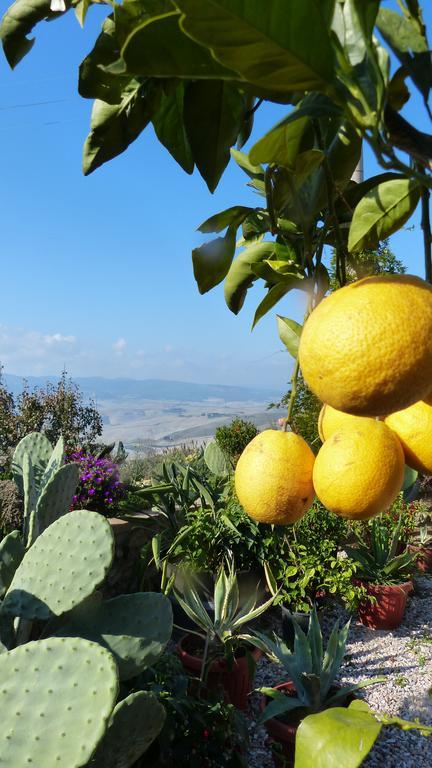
(234, 437)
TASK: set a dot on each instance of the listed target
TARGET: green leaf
(285, 46)
(335, 737)
(275, 294)
(398, 93)
(255, 172)
(381, 212)
(18, 22)
(234, 215)
(410, 476)
(94, 81)
(241, 275)
(168, 122)
(216, 460)
(212, 261)
(289, 333)
(81, 9)
(282, 143)
(114, 127)
(214, 111)
(280, 704)
(408, 42)
(158, 48)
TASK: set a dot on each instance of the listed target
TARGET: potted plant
(310, 686)
(221, 655)
(308, 577)
(422, 549)
(385, 575)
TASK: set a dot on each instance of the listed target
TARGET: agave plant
(224, 632)
(377, 561)
(312, 671)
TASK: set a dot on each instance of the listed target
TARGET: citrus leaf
(212, 261)
(114, 127)
(169, 127)
(275, 293)
(158, 48)
(382, 211)
(214, 112)
(409, 44)
(241, 275)
(234, 215)
(94, 82)
(285, 46)
(243, 161)
(18, 22)
(289, 333)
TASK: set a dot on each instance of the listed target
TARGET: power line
(33, 104)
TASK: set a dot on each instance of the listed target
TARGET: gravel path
(404, 656)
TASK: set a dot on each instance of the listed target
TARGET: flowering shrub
(99, 484)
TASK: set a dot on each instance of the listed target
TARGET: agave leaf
(334, 654)
(338, 699)
(231, 599)
(252, 614)
(315, 642)
(219, 597)
(279, 704)
(194, 608)
(302, 649)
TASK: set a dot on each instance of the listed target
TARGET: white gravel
(404, 656)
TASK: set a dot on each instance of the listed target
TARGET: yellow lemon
(359, 470)
(413, 426)
(273, 477)
(330, 419)
(366, 349)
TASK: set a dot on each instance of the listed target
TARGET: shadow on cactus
(65, 651)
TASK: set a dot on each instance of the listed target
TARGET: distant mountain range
(100, 388)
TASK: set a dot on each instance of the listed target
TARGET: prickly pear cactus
(135, 628)
(39, 450)
(135, 723)
(56, 696)
(56, 497)
(216, 460)
(30, 496)
(12, 551)
(65, 565)
(55, 462)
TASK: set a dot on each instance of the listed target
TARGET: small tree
(233, 438)
(304, 419)
(56, 409)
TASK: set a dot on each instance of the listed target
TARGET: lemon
(366, 349)
(413, 426)
(273, 477)
(359, 470)
(329, 420)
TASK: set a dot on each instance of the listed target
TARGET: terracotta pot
(283, 735)
(388, 610)
(424, 560)
(236, 681)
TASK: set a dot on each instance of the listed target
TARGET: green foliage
(343, 736)
(234, 438)
(312, 573)
(312, 670)
(55, 410)
(401, 518)
(217, 460)
(196, 732)
(318, 525)
(304, 419)
(377, 559)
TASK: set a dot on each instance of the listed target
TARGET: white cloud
(119, 346)
(58, 338)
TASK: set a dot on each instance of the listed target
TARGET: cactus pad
(65, 565)
(12, 551)
(216, 460)
(55, 462)
(135, 723)
(56, 696)
(56, 497)
(135, 628)
(39, 449)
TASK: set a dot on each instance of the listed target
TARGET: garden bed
(404, 656)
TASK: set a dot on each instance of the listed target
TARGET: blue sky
(96, 272)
